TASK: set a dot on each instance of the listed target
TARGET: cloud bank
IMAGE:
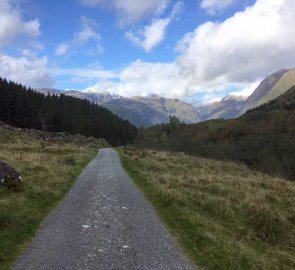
(215, 6)
(12, 25)
(130, 11)
(236, 52)
(27, 69)
(86, 34)
(152, 35)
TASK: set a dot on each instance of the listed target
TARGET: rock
(10, 178)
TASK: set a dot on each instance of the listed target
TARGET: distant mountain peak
(153, 96)
(270, 88)
(101, 92)
(234, 97)
(49, 91)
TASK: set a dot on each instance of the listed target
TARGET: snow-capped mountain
(93, 95)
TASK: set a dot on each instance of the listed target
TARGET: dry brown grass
(224, 214)
(48, 169)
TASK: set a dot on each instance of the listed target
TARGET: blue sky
(202, 49)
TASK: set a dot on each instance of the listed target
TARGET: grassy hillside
(263, 139)
(225, 215)
(49, 163)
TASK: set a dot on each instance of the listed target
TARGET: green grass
(224, 215)
(215, 123)
(48, 168)
(263, 140)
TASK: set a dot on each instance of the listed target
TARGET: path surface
(103, 223)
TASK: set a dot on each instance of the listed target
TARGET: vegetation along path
(103, 223)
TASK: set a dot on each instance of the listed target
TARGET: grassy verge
(48, 164)
(224, 215)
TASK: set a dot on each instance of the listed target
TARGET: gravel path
(103, 223)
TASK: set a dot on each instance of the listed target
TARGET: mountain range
(231, 106)
(140, 111)
(153, 109)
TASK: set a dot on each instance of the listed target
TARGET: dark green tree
(26, 108)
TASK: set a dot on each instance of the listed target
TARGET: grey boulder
(10, 178)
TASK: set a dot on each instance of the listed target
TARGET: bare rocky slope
(227, 108)
(270, 88)
(152, 110)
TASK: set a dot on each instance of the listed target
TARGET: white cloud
(247, 90)
(62, 49)
(87, 33)
(92, 72)
(216, 56)
(177, 9)
(243, 48)
(28, 71)
(161, 76)
(214, 6)
(99, 49)
(12, 24)
(130, 11)
(142, 78)
(152, 35)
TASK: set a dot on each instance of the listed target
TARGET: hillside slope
(137, 112)
(152, 110)
(182, 110)
(227, 216)
(233, 106)
(270, 88)
(285, 101)
(227, 108)
(263, 138)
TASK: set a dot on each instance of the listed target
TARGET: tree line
(22, 107)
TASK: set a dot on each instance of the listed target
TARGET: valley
(222, 187)
(147, 135)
